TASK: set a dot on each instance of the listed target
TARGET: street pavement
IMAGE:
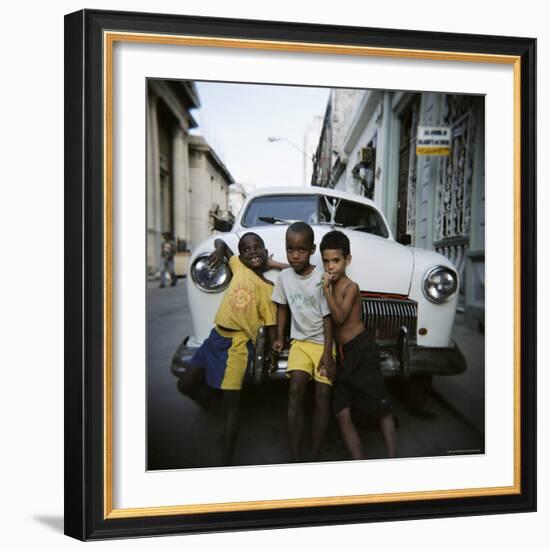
(183, 435)
(465, 392)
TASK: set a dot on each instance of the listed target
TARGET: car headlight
(440, 284)
(210, 279)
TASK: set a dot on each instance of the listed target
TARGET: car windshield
(354, 215)
(314, 209)
(281, 209)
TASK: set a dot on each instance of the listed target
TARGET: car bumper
(403, 361)
(441, 361)
(258, 370)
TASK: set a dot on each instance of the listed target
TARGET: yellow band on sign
(444, 151)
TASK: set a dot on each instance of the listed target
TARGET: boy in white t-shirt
(299, 289)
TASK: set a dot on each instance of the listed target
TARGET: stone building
(210, 181)
(368, 147)
(187, 184)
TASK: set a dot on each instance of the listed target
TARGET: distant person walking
(167, 253)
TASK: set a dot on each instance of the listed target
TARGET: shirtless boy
(359, 382)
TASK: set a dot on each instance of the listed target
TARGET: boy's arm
(327, 365)
(340, 312)
(221, 251)
(282, 316)
(272, 332)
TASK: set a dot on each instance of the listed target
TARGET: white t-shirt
(307, 303)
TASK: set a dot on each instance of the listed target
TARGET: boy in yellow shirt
(223, 358)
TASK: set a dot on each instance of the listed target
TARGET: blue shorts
(225, 356)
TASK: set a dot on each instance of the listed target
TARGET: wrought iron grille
(454, 186)
(383, 318)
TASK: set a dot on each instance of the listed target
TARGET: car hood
(378, 264)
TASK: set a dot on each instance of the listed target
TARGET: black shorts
(359, 382)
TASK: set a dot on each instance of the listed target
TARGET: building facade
(369, 149)
(327, 162)
(311, 139)
(187, 184)
(210, 181)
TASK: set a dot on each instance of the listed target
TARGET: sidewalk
(466, 392)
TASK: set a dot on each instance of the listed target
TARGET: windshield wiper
(271, 219)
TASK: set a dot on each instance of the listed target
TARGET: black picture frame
(87, 515)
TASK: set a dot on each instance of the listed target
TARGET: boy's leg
(193, 385)
(296, 396)
(231, 399)
(387, 425)
(237, 358)
(320, 417)
(350, 434)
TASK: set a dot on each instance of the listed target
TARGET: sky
(237, 119)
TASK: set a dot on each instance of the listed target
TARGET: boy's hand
(221, 251)
(215, 259)
(327, 366)
(278, 346)
(326, 280)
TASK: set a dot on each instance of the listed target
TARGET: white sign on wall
(433, 140)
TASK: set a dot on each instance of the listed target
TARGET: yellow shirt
(247, 303)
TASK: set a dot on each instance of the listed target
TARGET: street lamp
(272, 139)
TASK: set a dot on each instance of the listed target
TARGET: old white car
(409, 294)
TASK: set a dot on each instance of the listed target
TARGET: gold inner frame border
(109, 39)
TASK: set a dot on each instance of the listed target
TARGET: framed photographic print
(300, 274)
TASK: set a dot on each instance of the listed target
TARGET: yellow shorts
(305, 356)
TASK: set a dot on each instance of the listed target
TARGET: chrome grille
(384, 316)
